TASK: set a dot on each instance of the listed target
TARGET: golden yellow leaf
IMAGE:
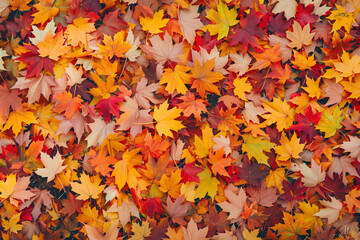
(16, 119)
(153, 24)
(275, 179)
(176, 79)
(166, 119)
(117, 47)
(88, 187)
(241, 86)
(79, 31)
(223, 19)
(46, 10)
(280, 113)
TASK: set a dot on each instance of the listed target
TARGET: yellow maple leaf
(202, 146)
(16, 119)
(12, 224)
(104, 89)
(303, 61)
(52, 46)
(176, 79)
(313, 87)
(251, 235)
(140, 231)
(288, 149)
(275, 179)
(153, 24)
(46, 10)
(79, 31)
(223, 18)
(299, 36)
(342, 19)
(204, 77)
(348, 67)
(166, 119)
(308, 212)
(117, 47)
(291, 228)
(7, 187)
(171, 184)
(124, 172)
(241, 86)
(255, 148)
(330, 121)
(88, 187)
(280, 113)
(208, 185)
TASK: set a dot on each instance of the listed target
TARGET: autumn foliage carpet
(179, 119)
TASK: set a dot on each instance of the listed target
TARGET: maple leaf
(125, 210)
(15, 190)
(288, 149)
(311, 176)
(299, 36)
(177, 210)
(52, 166)
(124, 171)
(144, 94)
(140, 231)
(275, 179)
(241, 63)
(109, 106)
(192, 106)
(74, 76)
(265, 196)
(251, 112)
(67, 103)
(254, 147)
(176, 79)
(101, 162)
(37, 86)
(342, 165)
(351, 199)
(305, 124)
(264, 59)
(9, 99)
(331, 211)
(342, 19)
(219, 163)
(241, 86)
(309, 211)
(46, 10)
(12, 224)
(78, 31)
(208, 185)
(330, 121)
(291, 228)
(154, 23)
(52, 46)
(192, 232)
(71, 205)
(117, 47)
(163, 50)
(352, 146)
(166, 120)
(280, 113)
(204, 77)
(39, 199)
(223, 18)
(111, 233)
(202, 146)
(171, 185)
(189, 22)
(235, 204)
(99, 131)
(16, 119)
(248, 33)
(88, 187)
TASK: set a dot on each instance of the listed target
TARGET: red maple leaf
(305, 124)
(109, 106)
(36, 63)
(248, 33)
(189, 173)
(151, 206)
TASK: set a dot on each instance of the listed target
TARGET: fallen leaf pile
(179, 119)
